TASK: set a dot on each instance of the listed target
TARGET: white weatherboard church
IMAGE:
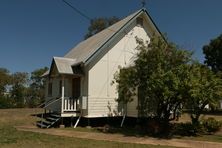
(80, 82)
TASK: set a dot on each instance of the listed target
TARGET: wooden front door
(76, 87)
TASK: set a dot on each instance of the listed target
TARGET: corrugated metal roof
(86, 48)
(64, 65)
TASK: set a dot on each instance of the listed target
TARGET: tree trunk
(195, 119)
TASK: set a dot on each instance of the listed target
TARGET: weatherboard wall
(119, 53)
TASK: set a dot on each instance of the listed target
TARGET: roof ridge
(86, 48)
(108, 28)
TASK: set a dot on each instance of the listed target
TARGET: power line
(82, 14)
(77, 10)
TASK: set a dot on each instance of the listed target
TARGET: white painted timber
(66, 92)
(63, 93)
(101, 92)
(84, 102)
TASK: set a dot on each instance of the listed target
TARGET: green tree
(36, 78)
(35, 92)
(98, 24)
(213, 54)
(19, 84)
(204, 88)
(158, 74)
(4, 80)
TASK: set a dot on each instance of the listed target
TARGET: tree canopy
(19, 80)
(4, 80)
(21, 89)
(213, 54)
(165, 79)
(35, 92)
(98, 24)
(204, 88)
(158, 75)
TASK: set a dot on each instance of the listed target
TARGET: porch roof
(64, 66)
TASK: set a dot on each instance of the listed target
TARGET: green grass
(11, 138)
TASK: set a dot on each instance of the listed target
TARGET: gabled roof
(64, 65)
(85, 49)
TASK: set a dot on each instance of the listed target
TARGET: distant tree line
(21, 89)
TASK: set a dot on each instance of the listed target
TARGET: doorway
(76, 87)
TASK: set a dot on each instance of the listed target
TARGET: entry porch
(64, 95)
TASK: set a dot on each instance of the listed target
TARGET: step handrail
(46, 102)
(53, 101)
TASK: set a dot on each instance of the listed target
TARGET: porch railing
(70, 104)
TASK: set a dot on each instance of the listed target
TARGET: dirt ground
(122, 138)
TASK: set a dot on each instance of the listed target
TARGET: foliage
(98, 24)
(5, 102)
(187, 129)
(19, 89)
(36, 77)
(158, 74)
(19, 80)
(4, 80)
(126, 82)
(204, 88)
(213, 54)
(165, 79)
(211, 125)
(35, 92)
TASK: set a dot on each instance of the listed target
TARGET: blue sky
(33, 31)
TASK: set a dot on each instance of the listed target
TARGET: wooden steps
(48, 121)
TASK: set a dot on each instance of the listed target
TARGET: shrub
(5, 103)
(187, 129)
(211, 125)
